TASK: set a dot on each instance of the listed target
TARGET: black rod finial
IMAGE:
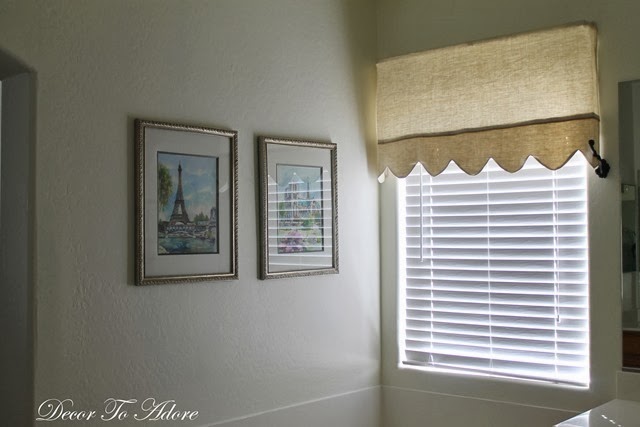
(602, 170)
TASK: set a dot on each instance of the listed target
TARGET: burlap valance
(532, 94)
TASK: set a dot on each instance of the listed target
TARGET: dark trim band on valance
(552, 144)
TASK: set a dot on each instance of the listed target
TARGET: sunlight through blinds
(496, 272)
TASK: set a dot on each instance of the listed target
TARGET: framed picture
(298, 207)
(186, 203)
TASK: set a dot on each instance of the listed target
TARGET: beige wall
(228, 349)
(286, 68)
(413, 25)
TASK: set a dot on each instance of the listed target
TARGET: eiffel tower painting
(179, 214)
(194, 231)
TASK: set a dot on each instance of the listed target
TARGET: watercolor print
(300, 209)
(187, 204)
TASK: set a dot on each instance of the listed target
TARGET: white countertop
(617, 413)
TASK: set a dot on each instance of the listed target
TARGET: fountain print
(187, 204)
(300, 209)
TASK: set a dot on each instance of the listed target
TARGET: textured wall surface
(413, 25)
(228, 349)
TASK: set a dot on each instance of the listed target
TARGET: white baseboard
(357, 408)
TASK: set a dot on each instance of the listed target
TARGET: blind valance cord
(602, 170)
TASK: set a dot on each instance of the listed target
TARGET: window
(495, 272)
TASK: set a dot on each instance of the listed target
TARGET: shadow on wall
(362, 54)
(17, 145)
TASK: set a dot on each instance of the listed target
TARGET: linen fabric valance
(532, 94)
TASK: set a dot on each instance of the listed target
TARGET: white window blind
(496, 272)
